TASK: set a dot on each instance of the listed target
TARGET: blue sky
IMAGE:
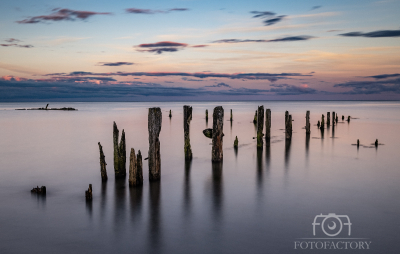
(199, 50)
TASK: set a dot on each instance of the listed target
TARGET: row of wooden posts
(216, 133)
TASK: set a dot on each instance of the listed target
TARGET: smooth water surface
(255, 202)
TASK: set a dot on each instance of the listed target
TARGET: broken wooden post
(348, 119)
(322, 121)
(267, 123)
(41, 190)
(260, 126)
(236, 143)
(103, 164)
(328, 118)
(318, 124)
(376, 143)
(231, 119)
(88, 193)
(154, 127)
(119, 153)
(286, 117)
(333, 117)
(170, 114)
(308, 122)
(358, 143)
(288, 127)
(255, 118)
(135, 169)
(206, 114)
(187, 117)
(217, 134)
(337, 119)
(47, 106)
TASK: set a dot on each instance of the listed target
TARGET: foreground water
(256, 202)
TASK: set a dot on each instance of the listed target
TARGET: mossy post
(187, 117)
(288, 127)
(103, 164)
(328, 118)
(308, 126)
(154, 127)
(260, 127)
(267, 123)
(135, 169)
(119, 153)
(217, 134)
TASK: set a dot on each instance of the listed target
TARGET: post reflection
(307, 145)
(217, 190)
(259, 168)
(119, 205)
(268, 153)
(40, 199)
(155, 217)
(136, 200)
(288, 143)
(89, 207)
(103, 200)
(187, 197)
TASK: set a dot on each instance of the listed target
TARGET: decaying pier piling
(333, 117)
(328, 118)
(322, 122)
(231, 116)
(267, 123)
(217, 134)
(260, 126)
(89, 193)
(103, 164)
(206, 114)
(170, 114)
(236, 143)
(154, 127)
(135, 169)
(308, 126)
(348, 119)
(187, 117)
(119, 153)
(255, 118)
(288, 125)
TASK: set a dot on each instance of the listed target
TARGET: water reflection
(40, 199)
(307, 145)
(187, 197)
(136, 200)
(155, 217)
(119, 205)
(268, 152)
(217, 190)
(89, 207)
(288, 143)
(103, 200)
(259, 168)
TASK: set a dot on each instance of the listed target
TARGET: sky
(192, 50)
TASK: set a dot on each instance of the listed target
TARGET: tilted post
(268, 123)
(187, 117)
(103, 164)
(154, 127)
(217, 135)
(119, 153)
(260, 126)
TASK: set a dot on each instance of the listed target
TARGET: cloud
(149, 11)
(270, 22)
(62, 14)
(199, 46)
(289, 38)
(374, 34)
(284, 89)
(372, 87)
(316, 7)
(384, 76)
(11, 40)
(244, 76)
(262, 14)
(189, 79)
(16, 45)
(220, 85)
(162, 46)
(115, 63)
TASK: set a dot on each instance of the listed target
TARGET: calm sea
(256, 202)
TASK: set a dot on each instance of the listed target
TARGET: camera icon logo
(331, 224)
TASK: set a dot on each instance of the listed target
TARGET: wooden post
(348, 119)
(260, 126)
(337, 119)
(103, 164)
(322, 122)
(318, 124)
(119, 153)
(89, 193)
(217, 134)
(231, 116)
(286, 117)
(170, 114)
(154, 127)
(236, 143)
(328, 118)
(376, 143)
(358, 142)
(255, 118)
(187, 117)
(268, 123)
(333, 118)
(288, 127)
(135, 169)
(206, 114)
(342, 117)
(308, 131)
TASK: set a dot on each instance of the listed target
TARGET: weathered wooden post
(206, 114)
(154, 127)
(358, 143)
(119, 153)
(342, 117)
(308, 131)
(328, 118)
(103, 164)
(135, 169)
(333, 118)
(376, 143)
(318, 124)
(231, 116)
(348, 119)
(170, 114)
(260, 127)
(286, 117)
(187, 117)
(88, 193)
(217, 134)
(322, 121)
(288, 129)
(267, 123)
(337, 119)
(255, 118)
(236, 143)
